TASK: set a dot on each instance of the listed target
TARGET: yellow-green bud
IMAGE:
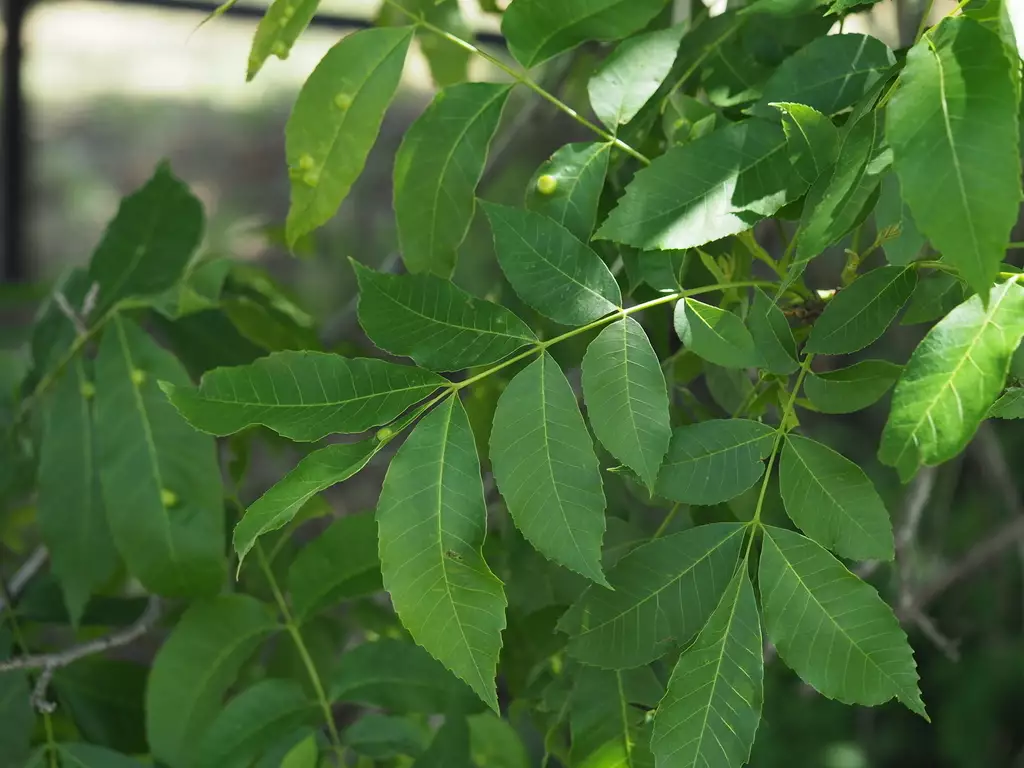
(280, 50)
(384, 434)
(168, 498)
(547, 184)
(343, 101)
(311, 178)
(88, 390)
(288, 12)
(138, 377)
(306, 162)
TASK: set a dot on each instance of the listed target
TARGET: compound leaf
(662, 594)
(953, 378)
(554, 272)
(627, 402)
(336, 120)
(632, 74)
(436, 323)
(714, 461)
(341, 562)
(399, 677)
(315, 473)
(772, 336)
(831, 628)
(952, 125)
(860, 313)
(432, 520)
(303, 396)
(437, 168)
(160, 478)
(536, 30)
(193, 669)
(833, 501)
(851, 389)
(573, 179)
(717, 335)
(719, 185)
(546, 468)
(712, 707)
(70, 513)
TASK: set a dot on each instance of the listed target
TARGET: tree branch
(25, 574)
(51, 662)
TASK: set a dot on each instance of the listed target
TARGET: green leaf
(831, 628)
(773, 338)
(812, 138)
(632, 74)
(714, 461)
(936, 296)
(662, 593)
(436, 323)
(193, 669)
(342, 562)
(624, 389)
(380, 737)
(16, 714)
(149, 243)
(717, 335)
(835, 202)
(719, 185)
(954, 136)
(712, 707)
(336, 120)
(552, 271)
(91, 756)
(70, 511)
(851, 389)
(536, 30)
(278, 30)
(448, 63)
(572, 192)
(303, 396)
(830, 74)
(106, 700)
(546, 469)
(606, 715)
(1009, 406)
(401, 678)
(160, 478)
(833, 501)
(902, 240)
(303, 755)
(450, 746)
(254, 721)
(860, 313)
(440, 585)
(953, 378)
(437, 169)
(315, 473)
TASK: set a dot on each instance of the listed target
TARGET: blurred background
(111, 88)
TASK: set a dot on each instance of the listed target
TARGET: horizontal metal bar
(321, 20)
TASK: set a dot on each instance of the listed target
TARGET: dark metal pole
(12, 146)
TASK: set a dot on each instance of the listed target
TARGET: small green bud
(280, 50)
(311, 178)
(138, 377)
(288, 12)
(88, 390)
(168, 498)
(343, 101)
(384, 434)
(306, 162)
(547, 184)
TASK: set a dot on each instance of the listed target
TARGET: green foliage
(591, 478)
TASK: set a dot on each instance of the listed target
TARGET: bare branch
(25, 574)
(918, 495)
(50, 662)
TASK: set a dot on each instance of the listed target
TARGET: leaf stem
(300, 646)
(665, 523)
(521, 78)
(780, 433)
(618, 315)
(923, 25)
